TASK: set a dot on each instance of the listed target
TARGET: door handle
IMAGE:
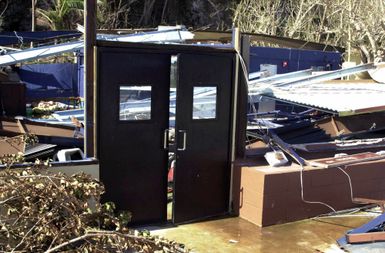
(184, 132)
(165, 138)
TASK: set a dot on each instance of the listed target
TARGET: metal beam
(282, 77)
(46, 51)
(174, 34)
(286, 148)
(329, 75)
(257, 37)
(40, 52)
(256, 75)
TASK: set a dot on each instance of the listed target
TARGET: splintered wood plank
(379, 220)
(379, 202)
(345, 160)
(365, 237)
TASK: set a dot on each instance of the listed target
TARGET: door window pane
(135, 103)
(205, 102)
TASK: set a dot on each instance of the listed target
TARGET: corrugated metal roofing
(344, 98)
(308, 76)
(316, 90)
(45, 51)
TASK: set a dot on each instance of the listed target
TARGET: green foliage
(62, 14)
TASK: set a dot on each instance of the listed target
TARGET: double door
(137, 110)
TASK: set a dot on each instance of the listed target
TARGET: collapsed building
(187, 126)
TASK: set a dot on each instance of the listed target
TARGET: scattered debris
(276, 158)
(51, 212)
(369, 232)
(346, 159)
(48, 107)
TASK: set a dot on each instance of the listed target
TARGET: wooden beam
(335, 126)
(379, 202)
(21, 126)
(361, 231)
(333, 162)
(365, 237)
(89, 44)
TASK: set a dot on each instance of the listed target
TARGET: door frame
(175, 50)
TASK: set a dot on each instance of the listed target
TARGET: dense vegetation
(347, 23)
(214, 14)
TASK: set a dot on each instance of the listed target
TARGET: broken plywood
(346, 159)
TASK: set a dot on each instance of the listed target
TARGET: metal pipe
(281, 77)
(329, 75)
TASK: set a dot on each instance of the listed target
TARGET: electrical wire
(350, 182)
(245, 75)
(246, 78)
(302, 192)
(19, 38)
(345, 216)
(244, 68)
(301, 163)
(318, 202)
(351, 213)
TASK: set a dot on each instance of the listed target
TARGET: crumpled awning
(322, 92)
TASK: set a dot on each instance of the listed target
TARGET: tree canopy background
(351, 24)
